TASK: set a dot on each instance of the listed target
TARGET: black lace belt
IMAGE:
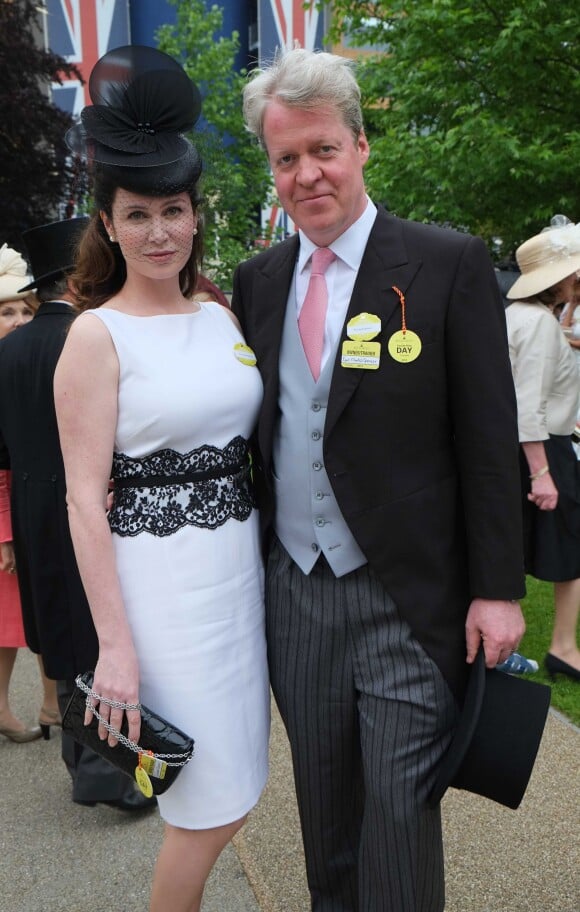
(239, 469)
(167, 490)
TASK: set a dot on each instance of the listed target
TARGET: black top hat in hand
(493, 750)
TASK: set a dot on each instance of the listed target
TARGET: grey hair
(52, 289)
(303, 79)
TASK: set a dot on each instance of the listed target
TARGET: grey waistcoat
(308, 519)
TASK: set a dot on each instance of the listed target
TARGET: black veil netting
(143, 101)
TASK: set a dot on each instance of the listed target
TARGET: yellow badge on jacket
(363, 327)
(365, 355)
(358, 351)
(404, 346)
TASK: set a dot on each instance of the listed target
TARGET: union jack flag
(81, 31)
(280, 24)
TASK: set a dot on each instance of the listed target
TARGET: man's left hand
(499, 624)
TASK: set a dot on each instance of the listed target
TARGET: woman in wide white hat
(16, 309)
(547, 389)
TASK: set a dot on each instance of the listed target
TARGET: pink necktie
(312, 317)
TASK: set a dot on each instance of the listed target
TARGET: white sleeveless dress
(188, 556)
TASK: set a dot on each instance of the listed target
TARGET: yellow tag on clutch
(153, 766)
(244, 354)
(363, 327)
(143, 781)
(364, 355)
(404, 346)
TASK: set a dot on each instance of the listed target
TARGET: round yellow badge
(404, 346)
(143, 781)
(244, 354)
(363, 327)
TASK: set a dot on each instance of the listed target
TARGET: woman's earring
(112, 239)
(195, 230)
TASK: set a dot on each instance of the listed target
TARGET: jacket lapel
(386, 262)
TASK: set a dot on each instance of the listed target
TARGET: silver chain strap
(132, 745)
(116, 704)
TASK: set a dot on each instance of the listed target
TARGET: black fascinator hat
(143, 101)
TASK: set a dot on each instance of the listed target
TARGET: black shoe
(133, 801)
(555, 666)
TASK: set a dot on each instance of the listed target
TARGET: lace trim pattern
(164, 509)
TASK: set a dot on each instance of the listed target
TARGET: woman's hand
(116, 680)
(544, 493)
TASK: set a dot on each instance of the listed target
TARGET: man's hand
(499, 624)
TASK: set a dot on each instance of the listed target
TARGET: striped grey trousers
(368, 715)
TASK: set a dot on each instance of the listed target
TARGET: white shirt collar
(349, 246)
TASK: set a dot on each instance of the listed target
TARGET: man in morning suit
(388, 481)
(56, 615)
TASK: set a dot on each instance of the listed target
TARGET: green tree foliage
(236, 179)
(35, 174)
(471, 110)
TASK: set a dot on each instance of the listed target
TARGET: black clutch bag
(154, 763)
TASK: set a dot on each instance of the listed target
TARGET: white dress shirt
(340, 275)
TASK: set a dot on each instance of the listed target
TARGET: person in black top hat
(16, 309)
(164, 389)
(57, 620)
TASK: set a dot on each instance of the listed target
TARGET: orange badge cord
(403, 314)
(404, 345)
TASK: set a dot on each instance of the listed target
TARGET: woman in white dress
(162, 389)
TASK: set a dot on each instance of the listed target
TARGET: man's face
(318, 169)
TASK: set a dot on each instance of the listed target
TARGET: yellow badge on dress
(404, 346)
(245, 354)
